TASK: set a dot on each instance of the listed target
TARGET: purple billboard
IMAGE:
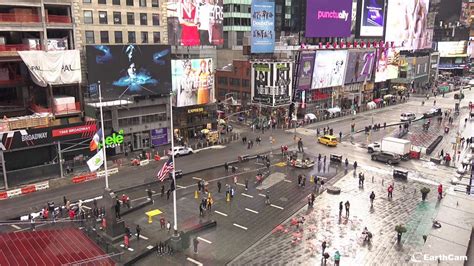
(159, 137)
(328, 18)
(305, 72)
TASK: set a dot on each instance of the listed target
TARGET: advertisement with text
(194, 23)
(263, 27)
(328, 18)
(193, 82)
(305, 72)
(407, 24)
(272, 82)
(329, 69)
(387, 62)
(130, 70)
(360, 65)
(372, 18)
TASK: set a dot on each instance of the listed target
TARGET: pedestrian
(138, 229)
(303, 182)
(162, 222)
(324, 160)
(347, 205)
(199, 185)
(210, 201)
(248, 144)
(168, 226)
(168, 193)
(235, 180)
(372, 197)
(340, 136)
(246, 184)
(384, 125)
(267, 198)
(195, 244)
(340, 209)
(390, 191)
(117, 209)
(313, 197)
(219, 186)
(355, 165)
(226, 167)
(337, 258)
(440, 191)
(300, 177)
(251, 144)
(442, 153)
(324, 246)
(362, 179)
(300, 145)
(319, 157)
(317, 132)
(201, 210)
(346, 163)
(64, 200)
(125, 201)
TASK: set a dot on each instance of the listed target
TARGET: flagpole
(103, 137)
(175, 224)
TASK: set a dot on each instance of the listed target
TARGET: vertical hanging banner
(305, 72)
(263, 27)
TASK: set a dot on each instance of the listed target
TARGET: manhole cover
(246, 169)
(283, 199)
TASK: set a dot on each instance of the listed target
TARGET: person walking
(226, 167)
(162, 222)
(355, 165)
(303, 182)
(246, 184)
(300, 177)
(138, 229)
(300, 145)
(219, 186)
(347, 205)
(195, 244)
(267, 198)
(168, 193)
(209, 203)
(168, 226)
(201, 210)
(340, 208)
(390, 191)
(149, 194)
(324, 246)
(340, 136)
(372, 198)
(117, 209)
(440, 191)
(337, 258)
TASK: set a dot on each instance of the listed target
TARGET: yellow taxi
(328, 140)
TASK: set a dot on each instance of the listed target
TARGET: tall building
(37, 113)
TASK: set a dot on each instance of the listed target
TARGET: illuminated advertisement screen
(130, 70)
(387, 62)
(407, 24)
(329, 69)
(372, 18)
(263, 27)
(305, 73)
(360, 65)
(193, 82)
(328, 18)
(452, 49)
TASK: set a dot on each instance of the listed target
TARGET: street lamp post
(103, 136)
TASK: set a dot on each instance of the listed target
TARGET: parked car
(373, 147)
(181, 150)
(328, 140)
(435, 111)
(387, 157)
(407, 117)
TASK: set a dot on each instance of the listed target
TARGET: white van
(407, 116)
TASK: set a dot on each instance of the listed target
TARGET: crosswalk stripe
(263, 195)
(240, 226)
(287, 181)
(15, 226)
(240, 184)
(194, 261)
(250, 210)
(276, 206)
(205, 240)
(247, 195)
(221, 213)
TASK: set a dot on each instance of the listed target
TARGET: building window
(246, 83)
(103, 2)
(131, 37)
(156, 37)
(116, 2)
(142, 3)
(118, 37)
(234, 82)
(129, 2)
(86, 1)
(156, 19)
(103, 17)
(88, 19)
(143, 19)
(117, 18)
(90, 37)
(130, 18)
(222, 80)
(104, 37)
(155, 3)
(144, 36)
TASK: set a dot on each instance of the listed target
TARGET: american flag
(165, 170)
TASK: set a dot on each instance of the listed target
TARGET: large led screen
(360, 65)
(263, 27)
(130, 70)
(372, 18)
(407, 24)
(193, 82)
(387, 62)
(329, 69)
(194, 23)
(328, 18)
(305, 72)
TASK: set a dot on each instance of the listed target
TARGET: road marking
(240, 184)
(276, 206)
(194, 261)
(205, 240)
(247, 195)
(196, 178)
(287, 181)
(130, 249)
(221, 213)
(240, 226)
(142, 237)
(85, 207)
(15, 226)
(263, 195)
(153, 191)
(250, 210)
(180, 186)
(149, 247)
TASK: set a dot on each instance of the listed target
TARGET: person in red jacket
(440, 191)
(71, 214)
(390, 191)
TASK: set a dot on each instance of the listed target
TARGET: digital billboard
(387, 62)
(407, 24)
(328, 18)
(329, 69)
(360, 65)
(305, 72)
(452, 49)
(372, 18)
(263, 27)
(272, 82)
(194, 23)
(193, 82)
(130, 70)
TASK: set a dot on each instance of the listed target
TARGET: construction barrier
(24, 190)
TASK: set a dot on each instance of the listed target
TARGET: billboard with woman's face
(193, 82)
(387, 63)
(359, 66)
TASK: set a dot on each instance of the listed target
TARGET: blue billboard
(263, 27)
